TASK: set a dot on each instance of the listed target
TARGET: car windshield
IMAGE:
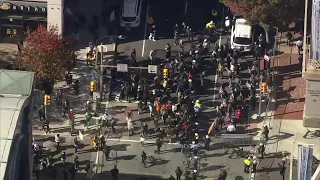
(128, 19)
(242, 41)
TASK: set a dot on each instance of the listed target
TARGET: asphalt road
(126, 150)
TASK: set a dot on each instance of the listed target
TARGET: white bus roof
(242, 29)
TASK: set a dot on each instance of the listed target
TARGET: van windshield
(242, 41)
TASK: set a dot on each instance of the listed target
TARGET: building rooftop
(16, 82)
(15, 88)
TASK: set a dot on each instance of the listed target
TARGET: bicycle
(239, 152)
(186, 161)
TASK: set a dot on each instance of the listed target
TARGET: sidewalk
(284, 115)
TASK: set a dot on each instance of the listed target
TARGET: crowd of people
(176, 119)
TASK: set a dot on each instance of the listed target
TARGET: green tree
(269, 13)
(46, 53)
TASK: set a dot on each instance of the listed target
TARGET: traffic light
(47, 99)
(264, 87)
(92, 86)
(165, 73)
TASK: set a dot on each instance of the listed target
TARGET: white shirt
(130, 124)
(150, 108)
(142, 139)
(299, 43)
(231, 67)
(231, 128)
(174, 108)
(266, 58)
(56, 138)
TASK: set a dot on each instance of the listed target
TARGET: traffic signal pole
(47, 101)
(260, 98)
(101, 77)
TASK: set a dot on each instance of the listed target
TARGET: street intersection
(126, 150)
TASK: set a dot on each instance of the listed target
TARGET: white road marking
(216, 76)
(145, 32)
(215, 87)
(137, 141)
(186, 8)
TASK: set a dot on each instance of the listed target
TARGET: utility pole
(101, 71)
(260, 98)
(96, 63)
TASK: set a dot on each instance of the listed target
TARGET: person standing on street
(57, 141)
(75, 144)
(41, 113)
(190, 34)
(46, 127)
(247, 163)
(265, 132)
(261, 150)
(143, 158)
(106, 152)
(254, 165)
(152, 33)
(133, 57)
(65, 107)
(159, 145)
(71, 120)
(169, 133)
(114, 172)
(178, 172)
(207, 143)
(59, 97)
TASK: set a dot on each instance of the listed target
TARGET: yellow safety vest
(210, 26)
(165, 84)
(247, 162)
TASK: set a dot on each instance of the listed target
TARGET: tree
(269, 13)
(46, 53)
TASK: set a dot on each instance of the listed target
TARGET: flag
(80, 136)
(211, 127)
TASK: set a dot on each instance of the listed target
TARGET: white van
(131, 11)
(242, 35)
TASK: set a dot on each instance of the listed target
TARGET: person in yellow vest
(209, 27)
(95, 142)
(165, 84)
(264, 87)
(247, 163)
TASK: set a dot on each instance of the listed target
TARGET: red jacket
(185, 126)
(239, 114)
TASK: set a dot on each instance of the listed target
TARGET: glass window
(11, 34)
(241, 40)
(13, 21)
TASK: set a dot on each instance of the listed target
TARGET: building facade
(311, 70)
(17, 18)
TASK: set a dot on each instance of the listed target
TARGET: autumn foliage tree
(46, 53)
(270, 13)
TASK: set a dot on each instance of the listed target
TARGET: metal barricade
(238, 139)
